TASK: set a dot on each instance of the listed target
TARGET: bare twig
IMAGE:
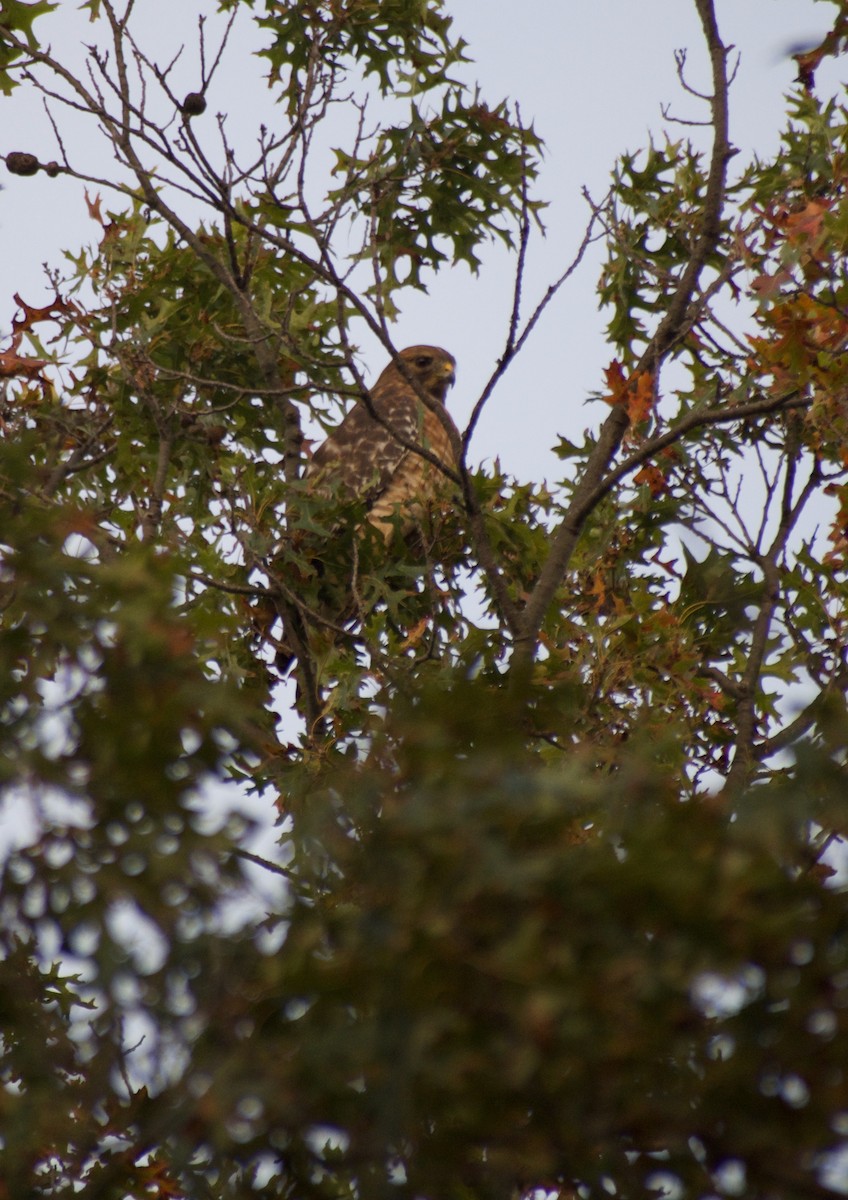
(514, 343)
(265, 863)
(746, 756)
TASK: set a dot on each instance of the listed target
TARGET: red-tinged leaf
(636, 393)
(807, 224)
(177, 639)
(52, 311)
(94, 210)
(822, 872)
(653, 477)
(599, 589)
(640, 397)
(766, 287)
(13, 364)
(157, 1174)
(831, 45)
(616, 383)
(80, 521)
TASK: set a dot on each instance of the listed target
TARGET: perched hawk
(373, 457)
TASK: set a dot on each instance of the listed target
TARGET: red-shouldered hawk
(374, 457)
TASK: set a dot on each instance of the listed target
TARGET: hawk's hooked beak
(450, 373)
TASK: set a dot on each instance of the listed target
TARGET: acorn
(22, 164)
(193, 105)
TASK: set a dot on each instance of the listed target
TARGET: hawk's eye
(423, 360)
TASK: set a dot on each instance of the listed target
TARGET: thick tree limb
(668, 331)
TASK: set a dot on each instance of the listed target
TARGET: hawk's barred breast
(373, 456)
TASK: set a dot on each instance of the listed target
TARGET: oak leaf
(653, 477)
(12, 363)
(56, 308)
(636, 394)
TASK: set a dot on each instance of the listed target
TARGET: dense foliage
(560, 778)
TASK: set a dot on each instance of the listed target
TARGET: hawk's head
(430, 366)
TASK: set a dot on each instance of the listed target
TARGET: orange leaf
(94, 209)
(54, 309)
(636, 393)
(653, 476)
(807, 224)
(12, 363)
(640, 397)
(616, 382)
(598, 589)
